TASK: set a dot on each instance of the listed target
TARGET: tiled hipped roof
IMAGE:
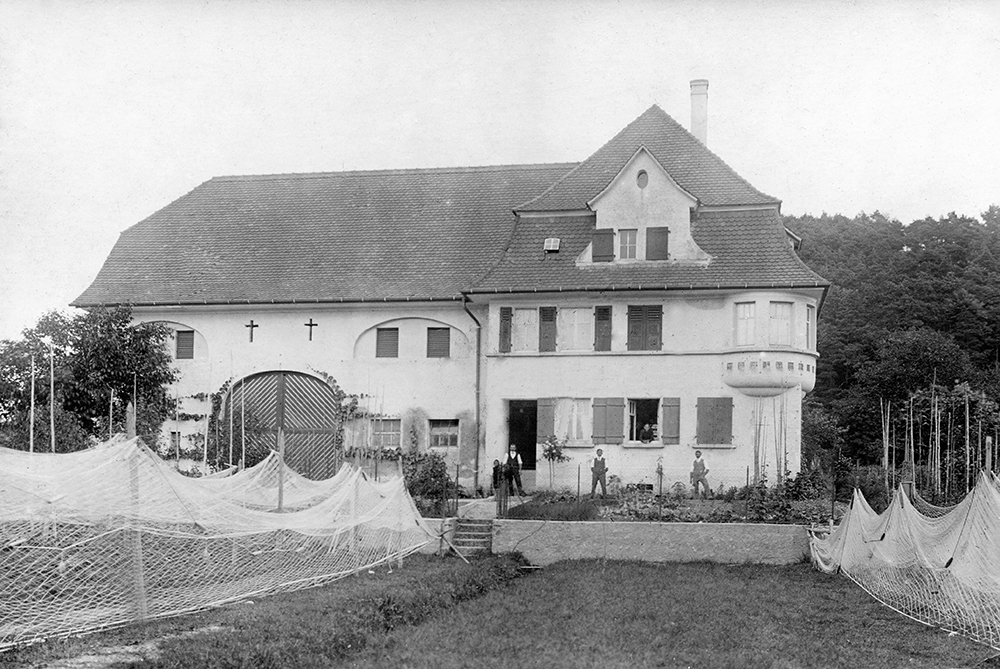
(748, 248)
(395, 234)
(426, 234)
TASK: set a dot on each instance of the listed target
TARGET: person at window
(599, 472)
(646, 434)
(512, 470)
(699, 476)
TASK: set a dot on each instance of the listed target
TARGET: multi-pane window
(642, 419)
(387, 343)
(780, 324)
(444, 433)
(745, 324)
(645, 327)
(715, 420)
(438, 342)
(574, 330)
(627, 240)
(572, 418)
(385, 433)
(524, 330)
(185, 344)
(810, 324)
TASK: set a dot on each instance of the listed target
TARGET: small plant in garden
(552, 450)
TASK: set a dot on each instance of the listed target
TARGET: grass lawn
(442, 613)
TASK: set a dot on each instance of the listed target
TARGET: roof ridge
(580, 164)
(400, 170)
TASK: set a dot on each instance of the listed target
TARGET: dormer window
(627, 242)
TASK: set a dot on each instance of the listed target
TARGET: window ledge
(638, 444)
(698, 447)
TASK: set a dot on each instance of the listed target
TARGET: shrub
(533, 510)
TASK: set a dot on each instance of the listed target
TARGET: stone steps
(473, 535)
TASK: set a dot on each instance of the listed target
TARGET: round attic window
(641, 179)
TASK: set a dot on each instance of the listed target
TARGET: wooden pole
(52, 396)
(31, 420)
(967, 462)
(281, 468)
(111, 413)
(243, 424)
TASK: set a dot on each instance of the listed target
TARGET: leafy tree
(101, 362)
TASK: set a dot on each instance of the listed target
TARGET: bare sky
(111, 110)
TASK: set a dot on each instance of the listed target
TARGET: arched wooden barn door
(302, 406)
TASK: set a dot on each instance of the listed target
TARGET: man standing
(600, 470)
(512, 470)
(699, 474)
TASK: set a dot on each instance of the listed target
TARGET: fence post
(578, 467)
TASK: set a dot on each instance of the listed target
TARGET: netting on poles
(938, 565)
(113, 535)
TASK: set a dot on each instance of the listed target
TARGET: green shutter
(715, 420)
(185, 344)
(614, 425)
(670, 425)
(602, 328)
(438, 342)
(603, 246)
(656, 243)
(636, 328)
(506, 316)
(387, 343)
(654, 327)
(546, 329)
(546, 421)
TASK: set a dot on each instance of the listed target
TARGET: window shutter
(387, 343)
(506, 316)
(715, 420)
(438, 342)
(670, 426)
(614, 424)
(598, 429)
(654, 327)
(603, 245)
(636, 328)
(546, 420)
(546, 329)
(656, 243)
(602, 328)
(185, 344)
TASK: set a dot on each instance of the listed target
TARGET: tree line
(909, 366)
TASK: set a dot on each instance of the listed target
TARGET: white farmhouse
(649, 285)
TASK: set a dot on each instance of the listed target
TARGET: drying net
(938, 565)
(113, 535)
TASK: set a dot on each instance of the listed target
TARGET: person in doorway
(699, 476)
(512, 470)
(599, 472)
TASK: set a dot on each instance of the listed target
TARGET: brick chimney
(699, 109)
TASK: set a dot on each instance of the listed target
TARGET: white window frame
(810, 327)
(575, 329)
(780, 323)
(386, 432)
(524, 330)
(445, 427)
(746, 323)
(628, 243)
(574, 420)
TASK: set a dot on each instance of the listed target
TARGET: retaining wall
(543, 542)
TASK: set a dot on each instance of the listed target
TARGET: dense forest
(909, 344)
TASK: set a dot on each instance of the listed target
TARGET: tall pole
(52, 396)
(31, 421)
(111, 413)
(243, 424)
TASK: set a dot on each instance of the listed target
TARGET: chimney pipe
(699, 109)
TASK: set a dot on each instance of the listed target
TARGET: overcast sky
(111, 110)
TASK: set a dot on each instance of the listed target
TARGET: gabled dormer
(643, 215)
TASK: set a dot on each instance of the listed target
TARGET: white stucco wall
(698, 347)
(411, 386)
